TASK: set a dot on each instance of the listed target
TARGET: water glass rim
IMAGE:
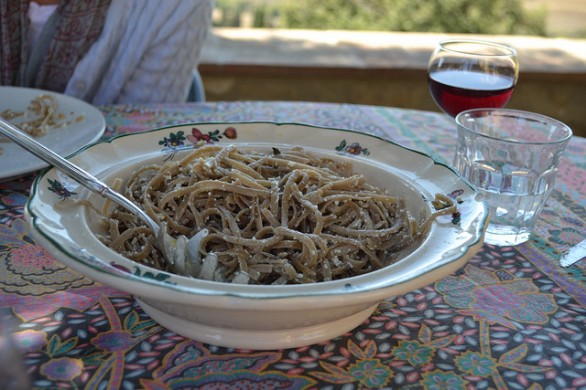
(508, 51)
(513, 113)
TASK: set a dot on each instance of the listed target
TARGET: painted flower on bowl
(354, 148)
(174, 141)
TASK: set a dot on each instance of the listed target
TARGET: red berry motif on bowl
(197, 136)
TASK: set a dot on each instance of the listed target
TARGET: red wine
(455, 91)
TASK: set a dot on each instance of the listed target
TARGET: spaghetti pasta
(284, 217)
(40, 115)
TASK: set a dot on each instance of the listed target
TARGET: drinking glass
(465, 74)
(511, 157)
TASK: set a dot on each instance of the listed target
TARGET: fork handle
(78, 174)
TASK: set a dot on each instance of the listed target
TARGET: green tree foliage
(449, 16)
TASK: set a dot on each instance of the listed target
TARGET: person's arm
(146, 52)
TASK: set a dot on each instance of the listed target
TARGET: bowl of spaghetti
(299, 232)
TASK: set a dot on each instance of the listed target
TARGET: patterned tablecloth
(511, 318)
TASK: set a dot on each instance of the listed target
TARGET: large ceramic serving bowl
(248, 316)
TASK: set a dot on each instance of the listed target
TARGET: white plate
(90, 126)
(248, 316)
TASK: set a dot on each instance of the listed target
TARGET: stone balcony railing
(380, 68)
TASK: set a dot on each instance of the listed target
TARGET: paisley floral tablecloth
(511, 318)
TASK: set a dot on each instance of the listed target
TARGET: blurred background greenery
(510, 17)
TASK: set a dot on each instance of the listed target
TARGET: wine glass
(466, 73)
